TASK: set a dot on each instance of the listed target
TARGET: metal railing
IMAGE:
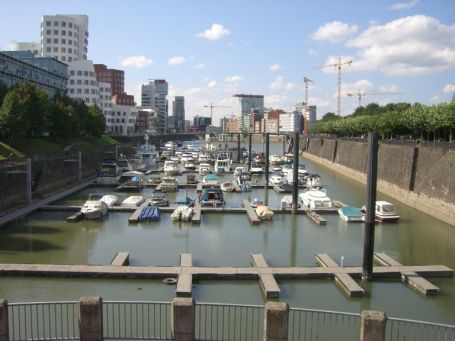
(136, 320)
(306, 324)
(402, 329)
(43, 321)
(219, 321)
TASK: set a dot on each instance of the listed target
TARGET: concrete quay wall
(422, 177)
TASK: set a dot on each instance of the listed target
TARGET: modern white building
(123, 119)
(105, 92)
(310, 115)
(290, 122)
(33, 47)
(64, 37)
(82, 82)
(153, 95)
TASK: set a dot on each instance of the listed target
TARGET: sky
(208, 50)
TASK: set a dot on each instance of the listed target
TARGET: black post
(267, 151)
(368, 236)
(238, 148)
(295, 170)
(249, 150)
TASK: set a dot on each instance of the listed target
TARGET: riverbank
(418, 176)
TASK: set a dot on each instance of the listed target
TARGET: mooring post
(368, 235)
(79, 164)
(295, 174)
(249, 150)
(4, 320)
(372, 325)
(183, 319)
(238, 148)
(267, 151)
(28, 181)
(91, 319)
(276, 317)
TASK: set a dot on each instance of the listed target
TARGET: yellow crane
(360, 94)
(211, 106)
(305, 121)
(338, 66)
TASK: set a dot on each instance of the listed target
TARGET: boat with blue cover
(150, 213)
(350, 213)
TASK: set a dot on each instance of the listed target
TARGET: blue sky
(403, 50)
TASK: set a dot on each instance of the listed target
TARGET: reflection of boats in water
(94, 207)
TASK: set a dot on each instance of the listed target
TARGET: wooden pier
(196, 218)
(134, 218)
(250, 212)
(121, 259)
(420, 284)
(267, 275)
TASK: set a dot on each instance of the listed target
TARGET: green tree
(330, 116)
(3, 92)
(13, 117)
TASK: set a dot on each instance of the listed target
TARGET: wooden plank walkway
(409, 277)
(267, 281)
(344, 281)
(318, 219)
(185, 280)
(135, 216)
(250, 212)
(121, 259)
(196, 218)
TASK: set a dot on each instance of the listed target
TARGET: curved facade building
(64, 37)
(82, 82)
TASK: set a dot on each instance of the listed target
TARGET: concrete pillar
(276, 316)
(79, 164)
(183, 319)
(28, 180)
(372, 325)
(91, 319)
(4, 330)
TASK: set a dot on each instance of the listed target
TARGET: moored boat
(94, 207)
(159, 199)
(131, 181)
(264, 212)
(315, 199)
(109, 199)
(182, 213)
(132, 201)
(168, 184)
(350, 214)
(212, 197)
(227, 186)
(210, 179)
(384, 212)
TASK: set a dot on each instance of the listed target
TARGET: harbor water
(228, 240)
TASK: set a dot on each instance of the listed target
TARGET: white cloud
(449, 89)
(404, 5)
(279, 102)
(211, 84)
(276, 67)
(319, 102)
(312, 52)
(335, 32)
(176, 60)
(435, 99)
(215, 32)
(233, 79)
(407, 46)
(281, 85)
(136, 62)
(198, 66)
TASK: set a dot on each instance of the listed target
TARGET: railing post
(372, 325)
(90, 319)
(183, 319)
(79, 164)
(276, 316)
(4, 329)
(29, 181)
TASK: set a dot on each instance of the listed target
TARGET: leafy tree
(3, 92)
(330, 116)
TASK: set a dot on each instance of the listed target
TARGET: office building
(178, 112)
(248, 102)
(64, 37)
(32, 47)
(112, 76)
(153, 95)
(290, 122)
(82, 82)
(124, 120)
(46, 73)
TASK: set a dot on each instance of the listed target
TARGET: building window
(56, 32)
(70, 25)
(71, 81)
(63, 33)
(70, 33)
(123, 120)
(55, 41)
(70, 42)
(79, 72)
(93, 92)
(63, 58)
(55, 49)
(70, 50)
(48, 31)
(70, 59)
(86, 91)
(79, 81)
(63, 23)
(85, 81)
(71, 91)
(63, 49)
(72, 73)
(63, 41)
(48, 23)
(87, 100)
(86, 73)
(48, 40)
(55, 23)
(79, 91)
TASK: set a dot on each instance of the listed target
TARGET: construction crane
(338, 66)
(305, 121)
(211, 106)
(361, 94)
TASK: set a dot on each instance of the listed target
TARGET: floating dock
(267, 281)
(185, 280)
(420, 284)
(196, 218)
(121, 259)
(134, 218)
(250, 212)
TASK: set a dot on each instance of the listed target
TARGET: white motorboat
(204, 168)
(133, 201)
(275, 159)
(385, 212)
(168, 184)
(315, 199)
(350, 214)
(132, 180)
(94, 207)
(109, 173)
(124, 165)
(170, 167)
(312, 181)
(223, 163)
(169, 145)
(302, 169)
(182, 213)
(227, 186)
(286, 202)
(109, 199)
(147, 152)
(277, 179)
(264, 213)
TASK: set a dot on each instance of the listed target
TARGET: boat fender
(170, 280)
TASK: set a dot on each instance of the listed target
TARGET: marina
(289, 243)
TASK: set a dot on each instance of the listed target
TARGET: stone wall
(328, 149)
(352, 154)
(395, 163)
